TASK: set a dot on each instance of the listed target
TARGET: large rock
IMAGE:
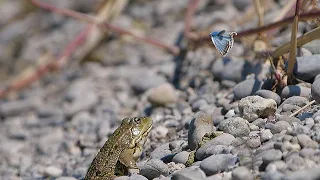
(253, 107)
(162, 95)
(199, 126)
(246, 88)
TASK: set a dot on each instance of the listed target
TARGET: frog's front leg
(128, 159)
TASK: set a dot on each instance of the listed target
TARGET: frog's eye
(137, 120)
(135, 131)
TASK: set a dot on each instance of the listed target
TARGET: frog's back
(103, 165)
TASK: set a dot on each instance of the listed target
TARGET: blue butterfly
(223, 43)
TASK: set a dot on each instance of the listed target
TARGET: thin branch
(188, 18)
(92, 20)
(302, 17)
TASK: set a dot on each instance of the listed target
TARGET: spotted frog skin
(122, 149)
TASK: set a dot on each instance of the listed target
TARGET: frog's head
(139, 127)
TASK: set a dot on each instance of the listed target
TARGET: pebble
(189, 173)
(294, 90)
(199, 126)
(231, 69)
(265, 135)
(53, 171)
(66, 178)
(154, 168)
(20, 106)
(277, 166)
(142, 80)
(217, 163)
(288, 147)
(160, 132)
(224, 139)
(270, 156)
(161, 151)
(295, 163)
(279, 126)
(295, 100)
(307, 67)
(213, 150)
(315, 90)
(305, 174)
(246, 88)
(259, 122)
(269, 95)
(162, 95)
(181, 157)
(237, 127)
(242, 173)
(253, 107)
(306, 142)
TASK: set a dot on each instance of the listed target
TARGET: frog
(122, 149)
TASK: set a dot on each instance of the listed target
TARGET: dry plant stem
(259, 11)
(287, 9)
(191, 9)
(301, 109)
(51, 66)
(302, 17)
(113, 28)
(293, 49)
(304, 39)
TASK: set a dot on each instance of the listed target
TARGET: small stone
(306, 142)
(159, 132)
(295, 163)
(162, 95)
(238, 127)
(269, 95)
(181, 157)
(66, 178)
(254, 127)
(288, 147)
(253, 107)
(231, 69)
(137, 177)
(299, 129)
(154, 168)
(271, 155)
(242, 173)
(53, 171)
(20, 106)
(224, 139)
(279, 126)
(217, 163)
(315, 90)
(161, 151)
(213, 150)
(189, 173)
(143, 79)
(277, 165)
(294, 90)
(313, 46)
(260, 123)
(254, 140)
(175, 167)
(265, 135)
(306, 68)
(199, 126)
(305, 174)
(246, 88)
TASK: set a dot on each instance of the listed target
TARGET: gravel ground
(54, 128)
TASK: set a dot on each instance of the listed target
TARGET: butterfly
(222, 42)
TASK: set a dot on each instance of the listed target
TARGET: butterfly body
(222, 41)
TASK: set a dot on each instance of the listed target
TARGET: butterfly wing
(220, 44)
(223, 42)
